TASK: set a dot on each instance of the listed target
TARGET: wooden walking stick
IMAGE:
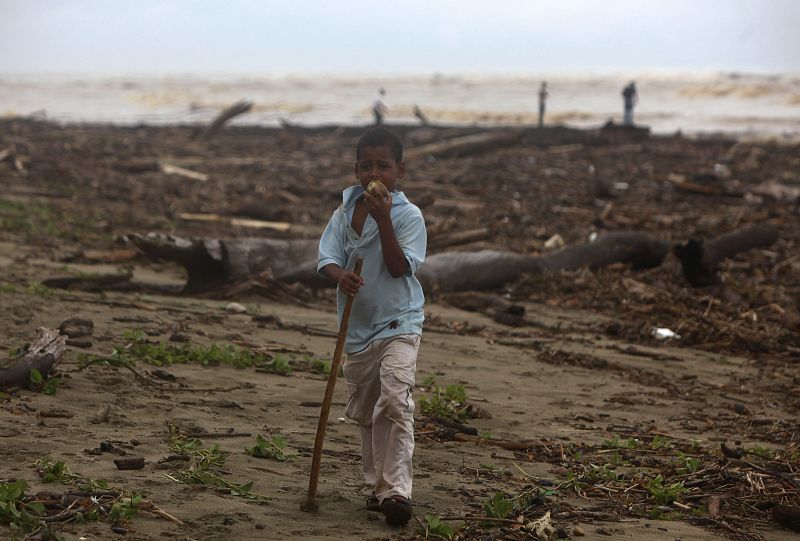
(309, 504)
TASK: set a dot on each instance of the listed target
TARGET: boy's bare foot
(397, 510)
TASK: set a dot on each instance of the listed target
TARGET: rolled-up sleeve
(413, 239)
(331, 244)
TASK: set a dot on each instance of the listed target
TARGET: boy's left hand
(379, 206)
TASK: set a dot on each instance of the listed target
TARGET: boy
(388, 232)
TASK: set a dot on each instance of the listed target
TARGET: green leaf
(35, 376)
(436, 526)
(498, 507)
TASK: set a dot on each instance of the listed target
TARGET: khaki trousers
(380, 381)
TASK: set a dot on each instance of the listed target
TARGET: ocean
(739, 103)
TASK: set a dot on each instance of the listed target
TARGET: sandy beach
(577, 408)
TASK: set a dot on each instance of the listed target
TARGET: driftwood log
(238, 108)
(211, 263)
(467, 145)
(700, 259)
(498, 308)
(488, 269)
(97, 282)
(43, 354)
(787, 516)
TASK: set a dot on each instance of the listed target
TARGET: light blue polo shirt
(384, 306)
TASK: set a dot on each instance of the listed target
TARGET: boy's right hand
(350, 282)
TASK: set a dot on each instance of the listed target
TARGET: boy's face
(377, 163)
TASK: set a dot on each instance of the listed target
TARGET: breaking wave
(667, 102)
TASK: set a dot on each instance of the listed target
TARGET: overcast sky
(399, 36)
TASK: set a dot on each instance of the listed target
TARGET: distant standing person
(378, 108)
(630, 97)
(542, 98)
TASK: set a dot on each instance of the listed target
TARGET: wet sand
(562, 380)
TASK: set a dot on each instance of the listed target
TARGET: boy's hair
(380, 137)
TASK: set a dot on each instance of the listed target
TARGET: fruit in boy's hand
(377, 188)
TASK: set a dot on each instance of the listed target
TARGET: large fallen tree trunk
(44, 353)
(700, 258)
(211, 263)
(488, 269)
(498, 308)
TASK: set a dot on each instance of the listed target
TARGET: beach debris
(11, 155)
(205, 465)
(76, 326)
(458, 237)
(101, 415)
(93, 282)
(787, 516)
(467, 145)
(731, 452)
(704, 184)
(132, 463)
(542, 528)
(778, 191)
(229, 433)
(453, 425)
(700, 258)
(721, 170)
(249, 223)
(621, 186)
(89, 498)
(236, 308)
(625, 132)
(663, 333)
(422, 117)
(556, 242)
(499, 309)
(238, 108)
(105, 447)
(42, 355)
(488, 269)
(81, 343)
(170, 169)
(211, 263)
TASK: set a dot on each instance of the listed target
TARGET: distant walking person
(378, 108)
(630, 97)
(542, 98)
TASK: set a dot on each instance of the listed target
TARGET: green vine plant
(272, 449)
(139, 349)
(19, 511)
(94, 502)
(59, 472)
(449, 402)
(204, 462)
(435, 527)
(664, 494)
